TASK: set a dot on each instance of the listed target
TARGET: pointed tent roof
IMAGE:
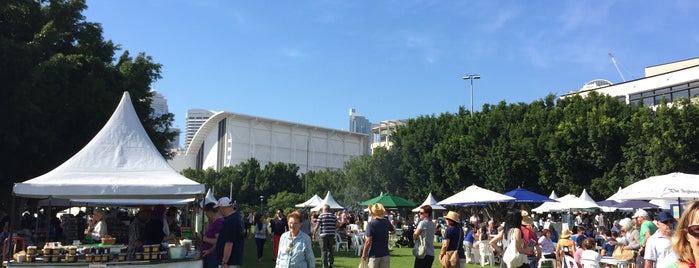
(430, 201)
(327, 200)
(120, 162)
(585, 196)
(553, 195)
(310, 203)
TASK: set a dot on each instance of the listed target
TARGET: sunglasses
(422, 212)
(693, 230)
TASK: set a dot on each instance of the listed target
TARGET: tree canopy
(61, 82)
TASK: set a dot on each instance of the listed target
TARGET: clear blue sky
(310, 61)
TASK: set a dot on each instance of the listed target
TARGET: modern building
(227, 139)
(359, 124)
(670, 80)
(381, 133)
(195, 119)
(159, 104)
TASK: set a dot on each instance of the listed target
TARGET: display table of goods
(55, 253)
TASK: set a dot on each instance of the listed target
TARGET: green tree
(60, 85)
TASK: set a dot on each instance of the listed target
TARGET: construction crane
(617, 67)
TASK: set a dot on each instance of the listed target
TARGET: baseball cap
(640, 213)
(665, 216)
(224, 202)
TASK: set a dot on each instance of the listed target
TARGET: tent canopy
(330, 201)
(525, 196)
(430, 200)
(310, 203)
(474, 195)
(389, 200)
(120, 162)
(671, 186)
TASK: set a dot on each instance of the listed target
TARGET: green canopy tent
(390, 201)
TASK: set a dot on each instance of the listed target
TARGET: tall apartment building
(195, 119)
(359, 124)
(159, 104)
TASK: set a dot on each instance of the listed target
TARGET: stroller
(406, 237)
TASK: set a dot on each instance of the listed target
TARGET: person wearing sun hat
(659, 252)
(453, 237)
(565, 246)
(375, 250)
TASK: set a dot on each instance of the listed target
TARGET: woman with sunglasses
(425, 229)
(295, 247)
(685, 241)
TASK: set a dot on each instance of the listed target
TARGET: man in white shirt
(659, 252)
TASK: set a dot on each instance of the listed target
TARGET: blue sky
(310, 61)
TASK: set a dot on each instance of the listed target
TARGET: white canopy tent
(568, 202)
(474, 195)
(310, 203)
(120, 162)
(553, 195)
(671, 186)
(329, 200)
(430, 201)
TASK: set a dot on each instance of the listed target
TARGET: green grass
(400, 257)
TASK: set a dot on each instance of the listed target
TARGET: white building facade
(227, 139)
(670, 81)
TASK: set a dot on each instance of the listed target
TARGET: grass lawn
(400, 257)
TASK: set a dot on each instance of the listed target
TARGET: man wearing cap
(647, 228)
(229, 244)
(529, 237)
(659, 252)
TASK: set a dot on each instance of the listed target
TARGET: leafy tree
(60, 85)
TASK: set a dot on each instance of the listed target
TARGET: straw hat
(566, 233)
(377, 210)
(527, 221)
(453, 216)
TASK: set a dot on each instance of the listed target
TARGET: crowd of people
(647, 241)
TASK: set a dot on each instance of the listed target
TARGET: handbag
(363, 264)
(420, 248)
(451, 257)
(512, 257)
(622, 254)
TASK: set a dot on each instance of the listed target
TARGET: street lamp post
(262, 198)
(471, 77)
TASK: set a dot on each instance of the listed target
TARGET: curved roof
(212, 123)
(597, 83)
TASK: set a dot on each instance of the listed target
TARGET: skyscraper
(195, 118)
(359, 124)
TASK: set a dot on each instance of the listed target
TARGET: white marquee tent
(430, 201)
(310, 203)
(120, 162)
(329, 200)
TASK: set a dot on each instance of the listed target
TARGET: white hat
(640, 213)
(224, 202)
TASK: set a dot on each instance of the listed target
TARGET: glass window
(648, 101)
(634, 97)
(680, 94)
(680, 87)
(694, 92)
(621, 99)
(662, 91)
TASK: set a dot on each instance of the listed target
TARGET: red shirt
(527, 235)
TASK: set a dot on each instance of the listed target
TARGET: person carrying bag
(452, 248)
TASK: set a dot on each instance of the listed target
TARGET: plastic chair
(486, 252)
(339, 243)
(358, 243)
(568, 262)
(589, 263)
(547, 263)
(14, 242)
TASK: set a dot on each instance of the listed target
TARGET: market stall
(119, 163)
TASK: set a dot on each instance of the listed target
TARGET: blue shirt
(378, 229)
(454, 233)
(233, 231)
(469, 237)
(295, 253)
(608, 248)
